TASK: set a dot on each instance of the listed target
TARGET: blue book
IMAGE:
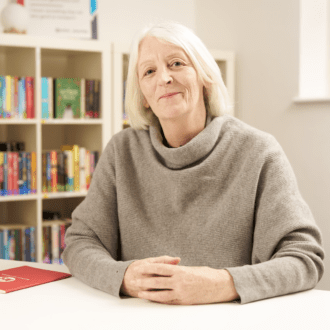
(27, 247)
(28, 172)
(5, 244)
(21, 98)
(44, 98)
(2, 95)
(32, 244)
(23, 190)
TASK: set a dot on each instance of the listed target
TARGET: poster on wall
(56, 18)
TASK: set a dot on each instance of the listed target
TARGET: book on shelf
(17, 242)
(16, 97)
(18, 173)
(53, 240)
(69, 169)
(23, 277)
(70, 98)
(67, 98)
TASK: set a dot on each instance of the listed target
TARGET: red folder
(25, 277)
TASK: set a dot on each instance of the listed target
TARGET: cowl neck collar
(192, 152)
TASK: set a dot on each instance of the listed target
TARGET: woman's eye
(177, 63)
(150, 71)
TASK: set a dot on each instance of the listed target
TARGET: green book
(67, 98)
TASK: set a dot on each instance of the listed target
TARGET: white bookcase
(22, 55)
(120, 52)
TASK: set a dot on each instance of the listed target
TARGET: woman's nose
(165, 77)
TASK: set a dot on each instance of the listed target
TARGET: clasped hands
(161, 280)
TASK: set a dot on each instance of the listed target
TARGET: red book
(15, 173)
(25, 277)
(29, 81)
(54, 178)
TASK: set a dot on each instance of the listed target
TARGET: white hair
(216, 99)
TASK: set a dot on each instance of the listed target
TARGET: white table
(70, 304)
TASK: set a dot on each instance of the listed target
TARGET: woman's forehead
(150, 46)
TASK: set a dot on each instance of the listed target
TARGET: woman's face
(168, 80)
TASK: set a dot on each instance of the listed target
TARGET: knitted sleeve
(287, 251)
(92, 241)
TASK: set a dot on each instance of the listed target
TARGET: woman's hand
(162, 280)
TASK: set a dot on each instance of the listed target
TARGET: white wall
(120, 20)
(265, 37)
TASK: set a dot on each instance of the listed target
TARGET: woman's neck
(180, 131)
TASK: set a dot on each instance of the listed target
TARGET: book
(29, 97)
(97, 86)
(17, 242)
(25, 277)
(67, 98)
(45, 98)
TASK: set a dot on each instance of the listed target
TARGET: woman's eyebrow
(174, 54)
(144, 63)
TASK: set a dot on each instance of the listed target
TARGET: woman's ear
(145, 103)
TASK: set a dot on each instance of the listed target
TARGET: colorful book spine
(44, 98)
(33, 172)
(21, 98)
(23, 174)
(55, 244)
(68, 161)
(60, 172)
(89, 98)
(53, 159)
(1, 173)
(44, 173)
(82, 168)
(8, 97)
(15, 173)
(33, 244)
(17, 242)
(27, 242)
(28, 172)
(87, 169)
(48, 172)
(15, 96)
(83, 98)
(10, 173)
(29, 97)
(5, 173)
(2, 95)
(45, 250)
(96, 112)
(50, 98)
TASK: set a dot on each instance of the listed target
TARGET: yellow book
(33, 172)
(75, 152)
(44, 173)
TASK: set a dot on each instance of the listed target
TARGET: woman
(191, 205)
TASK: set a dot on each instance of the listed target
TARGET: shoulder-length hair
(216, 99)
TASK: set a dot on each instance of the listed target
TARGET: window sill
(300, 99)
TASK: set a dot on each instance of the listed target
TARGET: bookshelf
(22, 56)
(120, 57)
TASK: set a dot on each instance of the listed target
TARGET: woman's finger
(164, 296)
(164, 259)
(157, 269)
(155, 283)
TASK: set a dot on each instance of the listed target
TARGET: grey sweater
(227, 199)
